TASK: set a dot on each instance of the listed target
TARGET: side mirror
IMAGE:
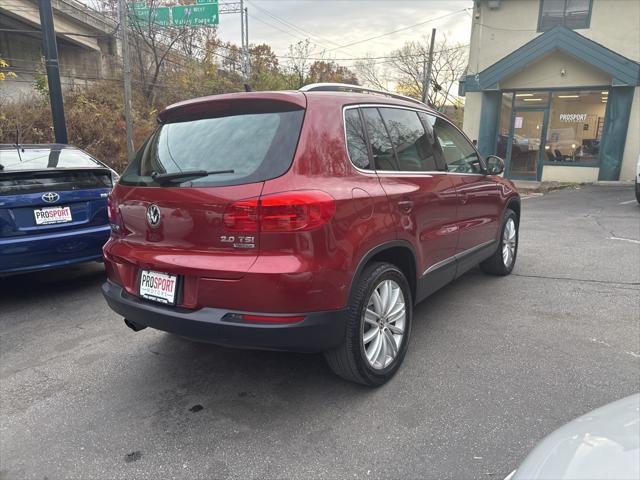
(495, 165)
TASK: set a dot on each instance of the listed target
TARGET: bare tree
(299, 63)
(193, 42)
(405, 67)
(155, 45)
(373, 73)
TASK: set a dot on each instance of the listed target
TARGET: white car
(603, 444)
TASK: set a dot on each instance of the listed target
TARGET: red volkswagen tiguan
(308, 221)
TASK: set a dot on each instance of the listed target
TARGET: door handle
(405, 205)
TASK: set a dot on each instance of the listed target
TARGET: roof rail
(345, 87)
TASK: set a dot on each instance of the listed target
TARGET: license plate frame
(41, 216)
(149, 289)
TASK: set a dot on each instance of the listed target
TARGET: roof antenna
(247, 88)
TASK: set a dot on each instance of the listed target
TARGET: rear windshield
(14, 183)
(20, 159)
(256, 146)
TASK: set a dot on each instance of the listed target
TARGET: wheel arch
(397, 252)
(514, 204)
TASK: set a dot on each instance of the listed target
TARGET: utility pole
(427, 71)
(50, 49)
(246, 32)
(122, 7)
(243, 56)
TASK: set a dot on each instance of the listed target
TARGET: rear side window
(356, 140)
(381, 147)
(413, 148)
(256, 146)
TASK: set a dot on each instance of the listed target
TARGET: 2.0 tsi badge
(153, 215)
(50, 197)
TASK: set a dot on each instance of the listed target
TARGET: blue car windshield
(21, 159)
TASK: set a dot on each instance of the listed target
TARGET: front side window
(413, 148)
(356, 140)
(570, 13)
(459, 155)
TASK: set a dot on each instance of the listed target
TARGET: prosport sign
(157, 286)
(573, 117)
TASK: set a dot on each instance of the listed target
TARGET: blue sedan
(53, 207)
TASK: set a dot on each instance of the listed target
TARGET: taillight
(281, 212)
(295, 211)
(242, 216)
(115, 219)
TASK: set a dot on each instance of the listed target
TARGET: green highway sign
(205, 12)
(198, 14)
(159, 16)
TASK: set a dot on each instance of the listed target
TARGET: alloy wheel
(509, 242)
(384, 324)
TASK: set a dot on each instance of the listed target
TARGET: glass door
(524, 159)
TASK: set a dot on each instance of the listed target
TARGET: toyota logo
(153, 215)
(50, 197)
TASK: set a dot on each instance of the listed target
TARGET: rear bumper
(39, 252)
(318, 331)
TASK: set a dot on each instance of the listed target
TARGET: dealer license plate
(51, 215)
(159, 287)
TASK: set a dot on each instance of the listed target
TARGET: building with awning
(553, 87)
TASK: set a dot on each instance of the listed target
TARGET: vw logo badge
(153, 215)
(50, 197)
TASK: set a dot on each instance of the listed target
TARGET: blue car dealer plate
(51, 215)
(159, 287)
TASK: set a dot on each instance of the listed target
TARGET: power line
(457, 47)
(277, 28)
(401, 29)
(507, 29)
(295, 27)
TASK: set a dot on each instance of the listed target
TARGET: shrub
(94, 117)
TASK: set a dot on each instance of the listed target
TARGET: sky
(332, 24)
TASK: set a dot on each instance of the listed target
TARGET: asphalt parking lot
(494, 365)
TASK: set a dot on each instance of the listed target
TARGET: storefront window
(505, 121)
(576, 123)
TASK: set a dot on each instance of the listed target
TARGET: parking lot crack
(595, 218)
(572, 279)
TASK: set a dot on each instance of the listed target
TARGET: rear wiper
(180, 177)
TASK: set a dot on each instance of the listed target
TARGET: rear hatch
(51, 189)
(169, 207)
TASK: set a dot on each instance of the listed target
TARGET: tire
(500, 263)
(350, 360)
(638, 191)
